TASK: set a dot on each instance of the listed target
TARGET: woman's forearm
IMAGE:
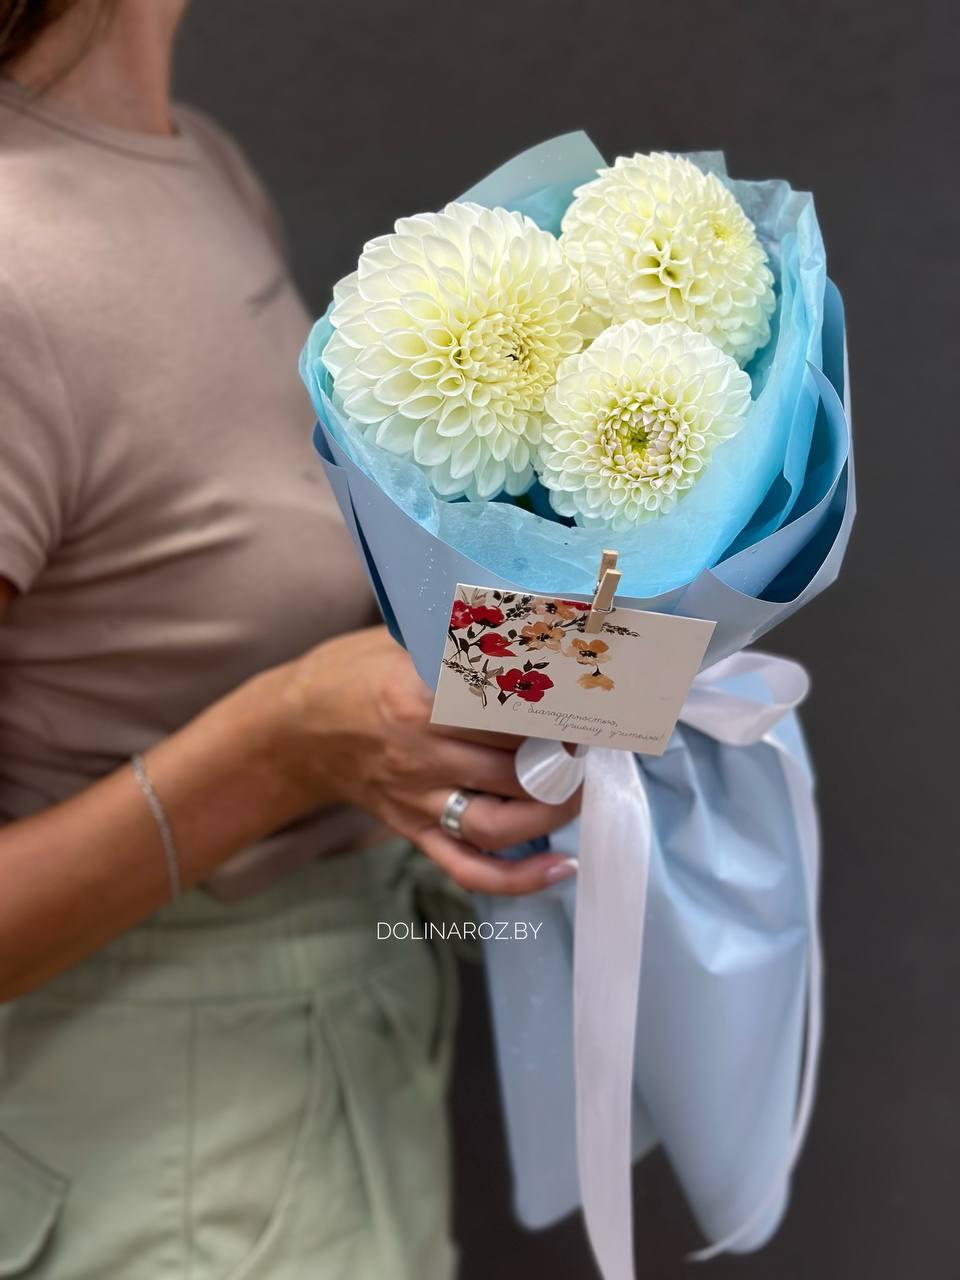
(76, 875)
(347, 723)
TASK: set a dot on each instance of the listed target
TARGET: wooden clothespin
(608, 579)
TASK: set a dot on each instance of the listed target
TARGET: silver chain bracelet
(166, 835)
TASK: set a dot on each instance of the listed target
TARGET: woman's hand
(355, 728)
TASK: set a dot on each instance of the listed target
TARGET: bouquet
(648, 357)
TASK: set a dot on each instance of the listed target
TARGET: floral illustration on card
(505, 644)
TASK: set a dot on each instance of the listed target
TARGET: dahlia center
(496, 349)
(640, 437)
(726, 237)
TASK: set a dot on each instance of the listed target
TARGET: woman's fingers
(483, 737)
(476, 768)
(494, 824)
(479, 873)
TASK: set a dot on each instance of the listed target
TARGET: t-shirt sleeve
(38, 444)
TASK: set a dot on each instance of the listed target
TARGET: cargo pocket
(418, 998)
(275, 1185)
(31, 1197)
(390, 1044)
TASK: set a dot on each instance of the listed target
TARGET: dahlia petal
(454, 418)
(404, 344)
(490, 477)
(429, 447)
(396, 434)
(465, 457)
(397, 386)
(375, 362)
(425, 404)
(364, 405)
(429, 368)
(337, 354)
(499, 443)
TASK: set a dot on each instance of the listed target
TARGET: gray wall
(359, 111)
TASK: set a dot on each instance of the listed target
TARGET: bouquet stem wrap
(615, 843)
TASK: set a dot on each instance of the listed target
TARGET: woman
(241, 1081)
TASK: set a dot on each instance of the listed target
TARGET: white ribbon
(614, 860)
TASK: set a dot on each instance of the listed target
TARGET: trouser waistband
(315, 932)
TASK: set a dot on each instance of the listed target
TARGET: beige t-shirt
(162, 515)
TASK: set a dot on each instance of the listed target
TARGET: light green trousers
(246, 1092)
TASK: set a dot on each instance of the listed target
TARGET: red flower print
(460, 616)
(463, 614)
(495, 646)
(528, 685)
(486, 613)
(574, 604)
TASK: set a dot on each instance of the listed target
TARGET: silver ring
(451, 816)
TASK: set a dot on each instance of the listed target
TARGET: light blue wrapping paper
(720, 1022)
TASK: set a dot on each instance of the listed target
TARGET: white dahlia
(632, 421)
(448, 335)
(657, 239)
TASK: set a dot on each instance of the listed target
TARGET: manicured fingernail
(560, 870)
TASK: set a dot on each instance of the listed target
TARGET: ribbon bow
(616, 835)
